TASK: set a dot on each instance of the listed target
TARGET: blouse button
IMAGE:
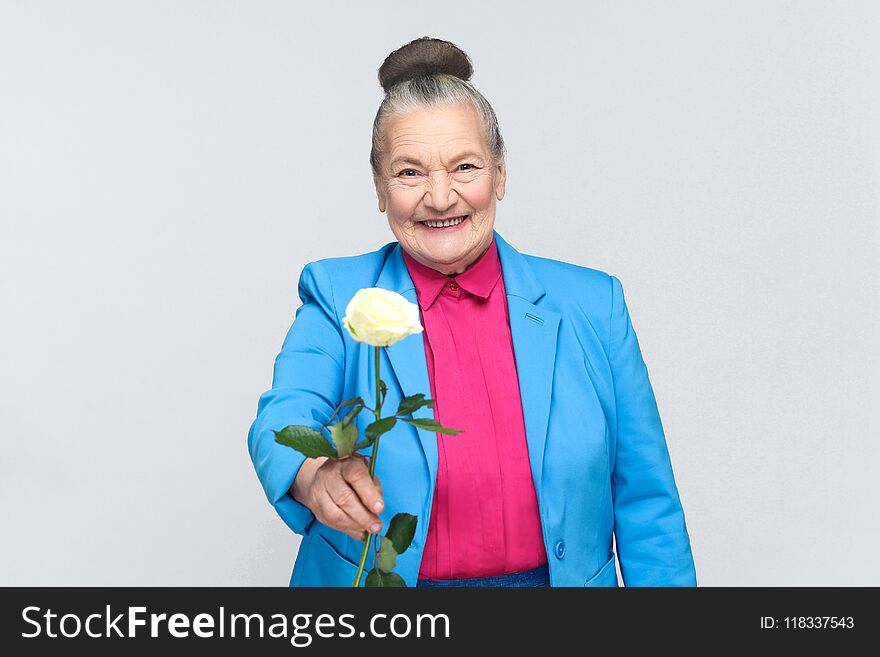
(453, 285)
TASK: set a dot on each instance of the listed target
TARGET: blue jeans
(536, 577)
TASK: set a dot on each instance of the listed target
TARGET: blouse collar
(479, 279)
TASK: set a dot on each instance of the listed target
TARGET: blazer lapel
(533, 331)
(408, 360)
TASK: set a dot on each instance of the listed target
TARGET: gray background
(167, 168)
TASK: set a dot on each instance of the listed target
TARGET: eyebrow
(406, 159)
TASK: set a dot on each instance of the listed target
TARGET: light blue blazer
(598, 453)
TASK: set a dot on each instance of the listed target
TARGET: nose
(441, 194)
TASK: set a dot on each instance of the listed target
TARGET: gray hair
(428, 73)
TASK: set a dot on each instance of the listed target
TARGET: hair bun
(423, 57)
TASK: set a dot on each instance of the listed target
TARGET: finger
(366, 488)
(353, 529)
(329, 512)
(347, 499)
(332, 515)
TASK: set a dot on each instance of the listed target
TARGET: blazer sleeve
(306, 388)
(652, 540)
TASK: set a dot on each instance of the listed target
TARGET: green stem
(377, 413)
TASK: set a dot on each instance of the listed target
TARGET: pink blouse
(485, 519)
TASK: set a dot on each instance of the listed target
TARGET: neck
(455, 271)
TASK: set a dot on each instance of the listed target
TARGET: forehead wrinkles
(431, 151)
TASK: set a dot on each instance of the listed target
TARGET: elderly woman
(536, 360)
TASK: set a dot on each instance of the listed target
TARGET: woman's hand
(341, 494)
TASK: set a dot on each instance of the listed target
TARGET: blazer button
(560, 549)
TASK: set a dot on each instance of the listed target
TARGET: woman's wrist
(304, 478)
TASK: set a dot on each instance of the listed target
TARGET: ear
(380, 193)
(500, 180)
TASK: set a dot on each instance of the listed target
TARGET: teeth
(446, 222)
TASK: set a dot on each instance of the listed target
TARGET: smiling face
(437, 166)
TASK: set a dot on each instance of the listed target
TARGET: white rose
(380, 317)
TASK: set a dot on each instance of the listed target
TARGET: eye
(404, 172)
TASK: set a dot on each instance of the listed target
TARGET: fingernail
(375, 529)
(378, 506)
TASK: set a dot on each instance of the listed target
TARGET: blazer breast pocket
(606, 576)
(325, 566)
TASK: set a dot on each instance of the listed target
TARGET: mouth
(445, 225)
